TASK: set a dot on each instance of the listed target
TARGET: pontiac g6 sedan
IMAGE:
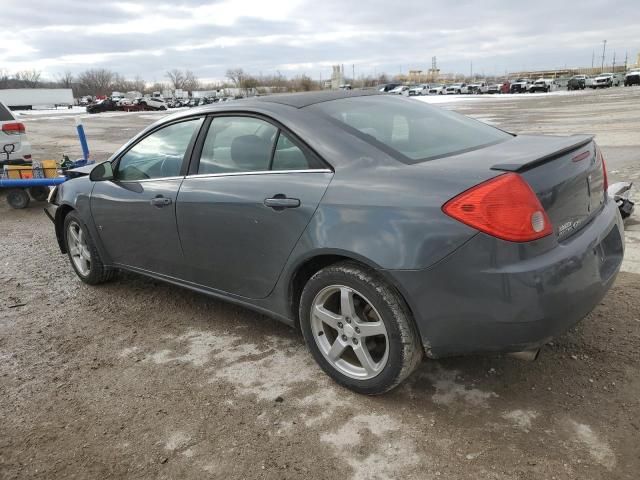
(384, 228)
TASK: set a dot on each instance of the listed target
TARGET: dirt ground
(139, 379)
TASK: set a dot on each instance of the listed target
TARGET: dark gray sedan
(384, 228)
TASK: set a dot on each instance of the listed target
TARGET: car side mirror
(102, 172)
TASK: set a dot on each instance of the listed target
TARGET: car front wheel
(359, 329)
(82, 252)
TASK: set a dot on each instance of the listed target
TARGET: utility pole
(613, 66)
(353, 74)
(593, 58)
(604, 49)
(626, 57)
(471, 71)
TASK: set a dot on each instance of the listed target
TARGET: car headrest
(250, 152)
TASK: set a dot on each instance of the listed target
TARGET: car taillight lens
(504, 207)
(604, 169)
(13, 128)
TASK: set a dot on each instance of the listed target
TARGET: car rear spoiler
(533, 155)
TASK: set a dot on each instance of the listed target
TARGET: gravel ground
(138, 379)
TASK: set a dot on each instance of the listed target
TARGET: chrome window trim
(144, 180)
(260, 172)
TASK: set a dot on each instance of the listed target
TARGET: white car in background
(542, 85)
(400, 90)
(478, 88)
(437, 89)
(156, 103)
(14, 147)
(456, 89)
(607, 80)
(421, 89)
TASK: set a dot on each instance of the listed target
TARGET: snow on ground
(50, 111)
(502, 96)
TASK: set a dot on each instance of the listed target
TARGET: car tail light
(604, 169)
(15, 128)
(504, 207)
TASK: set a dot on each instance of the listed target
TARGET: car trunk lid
(568, 177)
(565, 173)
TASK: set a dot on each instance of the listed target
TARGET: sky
(149, 37)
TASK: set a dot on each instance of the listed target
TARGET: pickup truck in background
(632, 78)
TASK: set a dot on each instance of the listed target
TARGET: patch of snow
(599, 449)
(521, 418)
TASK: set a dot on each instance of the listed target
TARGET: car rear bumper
(488, 296)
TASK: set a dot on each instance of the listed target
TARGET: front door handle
(160, 202)
(280, 202)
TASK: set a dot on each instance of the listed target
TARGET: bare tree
(29, 77)
(97, 81)
(176, 78)
(235, 75)
(138, 84)
(191, 82)
(4, 78)
(65, 79)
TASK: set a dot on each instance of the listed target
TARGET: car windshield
(409, 130)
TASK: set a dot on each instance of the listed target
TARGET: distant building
(337, 77)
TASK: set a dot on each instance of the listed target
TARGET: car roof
(301, 100)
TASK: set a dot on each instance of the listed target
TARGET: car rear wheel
(82, 252)
(359, 329)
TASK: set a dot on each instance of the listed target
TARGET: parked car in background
(437, 89)
(541, 85)
(400, 90)
(157, 103)
(456, 89)
(520, 85)
(421, 89)
(515, 242)
(607, 80)
(104, 105)
(14, 145)
(478, 88)
(632, 78)
(494, 88)
(577, 82)
(387, 87)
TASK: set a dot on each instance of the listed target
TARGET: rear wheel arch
(310, 266)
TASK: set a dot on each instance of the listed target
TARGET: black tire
(39, 194)
(98, 273)
(403, 341)
(18, 198)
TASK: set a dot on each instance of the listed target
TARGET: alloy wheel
(349, 332)
(78, 249)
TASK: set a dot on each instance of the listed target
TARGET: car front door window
(159, 155)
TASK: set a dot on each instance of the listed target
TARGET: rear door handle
(280, 202)
(160, 202)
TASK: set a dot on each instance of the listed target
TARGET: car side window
(288, 156)
(158, 155)
(237, 144)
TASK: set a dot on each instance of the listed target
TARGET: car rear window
(410, 130)
(5, 114)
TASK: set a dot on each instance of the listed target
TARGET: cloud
(147, 38)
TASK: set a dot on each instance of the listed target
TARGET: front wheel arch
(61, 214)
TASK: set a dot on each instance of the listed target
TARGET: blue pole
(31, 182)
(83, 139)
